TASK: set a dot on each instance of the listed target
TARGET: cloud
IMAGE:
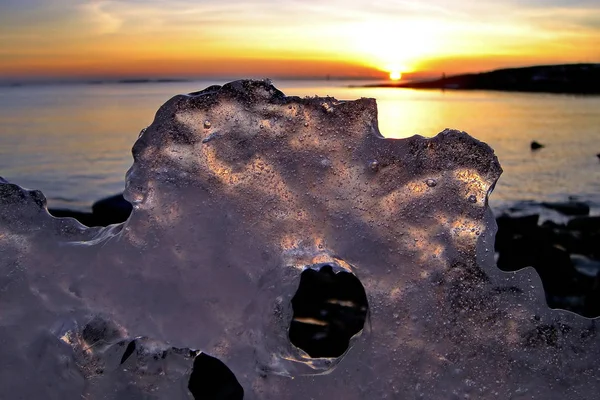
(373, 32)
(572, 4)
(102, 21)
(135, 16)
(310, 16)
(564, 20)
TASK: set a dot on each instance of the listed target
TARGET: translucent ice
(237, 190)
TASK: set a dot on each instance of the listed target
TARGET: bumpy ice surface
(238, 189)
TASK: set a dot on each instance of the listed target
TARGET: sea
(73, 141)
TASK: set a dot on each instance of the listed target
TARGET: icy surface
(237, 189)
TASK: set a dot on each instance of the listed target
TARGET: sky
(75, 39)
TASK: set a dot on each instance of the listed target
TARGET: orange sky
(220, 38)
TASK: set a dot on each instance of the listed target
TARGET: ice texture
(236, 190)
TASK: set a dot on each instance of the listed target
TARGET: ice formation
(239, 189)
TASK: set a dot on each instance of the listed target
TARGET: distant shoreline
(129, 81)
(561, 79)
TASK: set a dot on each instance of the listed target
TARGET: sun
(395, 75)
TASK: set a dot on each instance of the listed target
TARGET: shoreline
(575, 79)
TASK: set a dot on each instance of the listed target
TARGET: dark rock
(509, 227)
(536, 146)
(585, 224)
(112, 210)
(524, 206)
(590, 243)
(586, 265)
(108, 211)
(568, 240)
(552, 225)
(556, 270)
(586, 230)
(569, 207)
(569, 280)
(518, 223)
(592, 298)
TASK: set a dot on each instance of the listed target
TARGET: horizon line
(141, 79)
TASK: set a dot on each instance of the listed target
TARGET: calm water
(73, 141)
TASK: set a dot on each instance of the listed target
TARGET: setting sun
(395, 75)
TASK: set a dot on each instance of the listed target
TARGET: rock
(568, 279)
(569, 207)
(509, 227)
(586, 265)
(536, 145)
(556, 270)
(552, 225)
(111, 210)
(586, 230)
(585, 224)
(523, 206)
(518, 223)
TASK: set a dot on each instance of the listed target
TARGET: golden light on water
(395, 75)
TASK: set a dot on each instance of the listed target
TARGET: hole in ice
(328, 309)
(128, 351)
(212, 380)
